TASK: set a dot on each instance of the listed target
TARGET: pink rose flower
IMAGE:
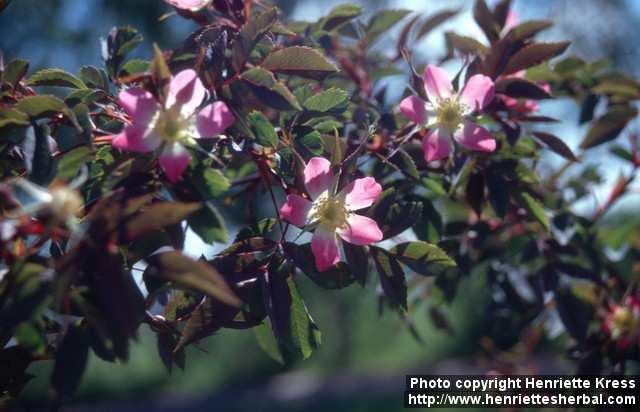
(191, 5)
(333, 214)
(449, 115)
(173, 126)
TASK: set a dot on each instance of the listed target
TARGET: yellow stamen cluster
(330, 213)
(172, 127)
(450, 113)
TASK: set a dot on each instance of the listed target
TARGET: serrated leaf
(555, 144)
(434, 21)
(300, 61)
(405, 163)
(311, 143)
(209, 224)
(210, 182)
(196, 274)
(270, 91)
(340, 15)
(134, 66)
(263, 129)
(71, 362)
(14, 71)
(533, 55)
(94, 77)
(55, 77)
(159, 215)
(464, 44)
(485, 19)
(268, 342)
(70, 162)
(250, 34)
(391, 276)
(520, 88)
(326, 100)
(528, 29)
(608, 126)
(534, 207)
(383, 21)
(423, 258)
(37, 107)
(399, 218)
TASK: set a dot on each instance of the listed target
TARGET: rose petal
(360, 230)
(192, 5)
(324, 246)
(436, 145)
(174, 159)
(186, 90)
(475, 137)
(213, 119)
(361, 193)
(136, 138)
(437, 83)
(478, 92)
(295, 210)
(415, 109)
(317, 176)
(139, 104)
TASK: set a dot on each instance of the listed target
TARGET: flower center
(330, 213)
(450, 113)
(172, 127)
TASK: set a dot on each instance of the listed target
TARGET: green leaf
(300, 61)
(464, 44)
(310, 143)
(14, 71)
(304, 333)
(528, 29)
(270, 91)
(608, 126)
(159, 215)
(55, 77)
(11, 117)
(534, 54)
(37, 107)
(263, 129)
(71, 362)
(383, 21)
(326, 100)
(209, 224)
(399, 218)
(534, 207)
(405, 163)
(70, 162)
(249, 36)
(435, 20)
(195, 274)
(422, 257)
(134, 66)
(268, 342)
(94, 77)
(391, 276)
(340, 15)
(210, 182)
(555, 144)
(43, 166)
(521, 88)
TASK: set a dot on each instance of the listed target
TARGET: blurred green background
(362, 361)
